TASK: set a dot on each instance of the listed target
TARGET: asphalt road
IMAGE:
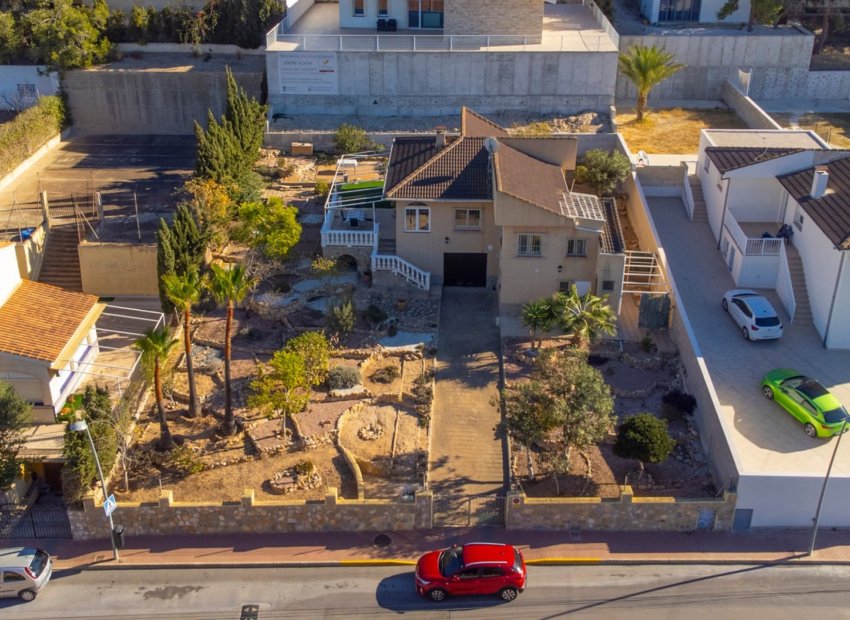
(656, 592)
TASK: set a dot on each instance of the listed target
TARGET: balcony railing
(752, 246)
(401, 267)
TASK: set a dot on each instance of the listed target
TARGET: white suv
(753, 313)
(24, 571)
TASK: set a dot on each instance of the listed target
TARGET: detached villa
(758, 183)
(481, 209)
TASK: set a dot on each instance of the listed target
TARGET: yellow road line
(554, 561)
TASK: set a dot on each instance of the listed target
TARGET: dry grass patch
(833, 128)
(674, 130)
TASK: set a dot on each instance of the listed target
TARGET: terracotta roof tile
(457, 172)
(38, 320)
(529, 179)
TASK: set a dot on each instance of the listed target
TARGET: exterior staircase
(803, 311)
(700, 212)
(61, 263)
(386, 246)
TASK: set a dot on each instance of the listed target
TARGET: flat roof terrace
(565, 28)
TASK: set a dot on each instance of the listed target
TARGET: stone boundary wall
(746, 108)
(627, 513)
(249, 516)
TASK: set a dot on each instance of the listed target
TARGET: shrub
(387, 374)
(350, 139)
(305, 468)
(676, 403)
(313, 347)
(375, 315)
(29, 130)
(343, 377)
(184, 460)
(322, 188)
(342, 316)
(323, 267)
(646, 344)
(603, 170)
(644, 437)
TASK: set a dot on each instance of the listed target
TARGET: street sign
(110, 505)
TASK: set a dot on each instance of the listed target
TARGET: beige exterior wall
(118, 269)
(425, 250)
(517, 17)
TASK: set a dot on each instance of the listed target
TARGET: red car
(475, 568)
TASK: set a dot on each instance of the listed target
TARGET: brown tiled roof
(457, 172)
(831, 212)
(38, 320)
(473, 125)
(407, 154)
(732, 158)
(529, 179)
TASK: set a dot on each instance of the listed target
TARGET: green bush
(184, 460)
(387, 374)
(343, 377)
(676, 403)
(29, 130)
(322, 188)
(350, 139)
(305, 468)
(342, 316)
(644, 437)
(80, 473)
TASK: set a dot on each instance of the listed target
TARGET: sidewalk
(338, 548)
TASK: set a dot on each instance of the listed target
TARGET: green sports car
(807, 400)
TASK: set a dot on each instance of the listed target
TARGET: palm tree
(584, 316)
(155, 346)
(647, 67)
(229, 286)
(537, 317)
(184, 291)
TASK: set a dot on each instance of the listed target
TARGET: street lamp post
(823, 488)
(80, 426)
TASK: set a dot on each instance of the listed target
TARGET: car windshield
(767, 321)
(451, 561)
(39, 562)
(834, 416)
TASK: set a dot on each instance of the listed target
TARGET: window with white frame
(358, 8)
(467, 219)
(576, 247)
(417, 219)
(383, 7)
(529, 244)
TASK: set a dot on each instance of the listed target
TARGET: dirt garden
(638, 377)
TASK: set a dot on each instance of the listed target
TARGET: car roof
(20, 557)
(487, 553)
(759, 305)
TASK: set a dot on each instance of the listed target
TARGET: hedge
(29, 131)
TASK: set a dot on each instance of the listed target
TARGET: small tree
(342, 316)
(584, 316)
(314, 349)
(530, 415)
(538, 317)
(646, 67)
(644, 437)
(164, 262)
(15, 415)
(155, 346)
(282, 385)
(211, 201)
(350, 139)
(272, 227)
(603, 170)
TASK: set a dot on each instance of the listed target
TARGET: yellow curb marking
(378, 562)
(545, 561)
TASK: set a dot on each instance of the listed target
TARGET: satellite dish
(491, 144)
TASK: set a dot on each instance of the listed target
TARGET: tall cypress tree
(247, 117)
(164, 261)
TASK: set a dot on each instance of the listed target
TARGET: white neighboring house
(756, 182)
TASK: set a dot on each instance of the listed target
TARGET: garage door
(464, 269)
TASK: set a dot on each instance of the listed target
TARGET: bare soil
(673, 130)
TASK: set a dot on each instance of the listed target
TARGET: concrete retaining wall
(799, 83)
(648, 514)
(746, 108)
(393, 83)
(110, 269)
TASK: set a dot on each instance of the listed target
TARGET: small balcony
(755, 238)
(355, 195)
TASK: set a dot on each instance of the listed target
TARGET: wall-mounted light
(447, 240)
(560, 268)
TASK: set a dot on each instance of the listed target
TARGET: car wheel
(26, 595)
(767, 392)
(508, 594)
(810, 431)
(725, 305)
(437, 594)
(746, 333)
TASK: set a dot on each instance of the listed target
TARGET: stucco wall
(838, 336)
(519, 17)
(110, 269)
(439, 83)
(12, 75)
(791, 501)
(746, 108)
(659, 514)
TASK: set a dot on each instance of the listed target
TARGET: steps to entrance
(803, 310)
(700, 212)
(61, 263)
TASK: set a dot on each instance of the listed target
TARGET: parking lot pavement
(151, 166)
(766, 438)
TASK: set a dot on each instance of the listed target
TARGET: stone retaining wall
(628, 513)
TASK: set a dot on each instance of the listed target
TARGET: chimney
(819, 182)
(441, 136)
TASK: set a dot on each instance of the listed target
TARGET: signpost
(110, 505)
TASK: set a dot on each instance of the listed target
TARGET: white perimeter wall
(839, 331)
(791, 501)
(12, 75)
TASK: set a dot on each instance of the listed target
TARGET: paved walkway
(466, 452)
(336, 548)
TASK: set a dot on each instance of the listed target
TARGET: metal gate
(35, 522)
(462, 511)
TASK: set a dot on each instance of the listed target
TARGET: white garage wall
(791, 501)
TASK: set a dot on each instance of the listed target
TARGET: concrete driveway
(766, 438)
(466, 450)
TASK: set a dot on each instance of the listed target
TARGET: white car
(753, 313)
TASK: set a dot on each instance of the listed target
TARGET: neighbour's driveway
(466, 451)
(765, 437)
